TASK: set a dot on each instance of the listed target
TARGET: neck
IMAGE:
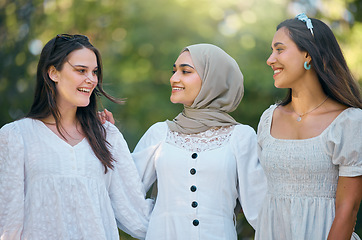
(67, 118)
(307, 95)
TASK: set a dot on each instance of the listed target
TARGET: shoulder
(349, 118)
(110, 128)
(112, 132)
(16, 126)
(159, 126)
(13, 133)
(347, 126)
(242, 134)
(154, 136)
(158, 130)
(353, 113)
(266, 117)
(245, 130)
(268, 113)
(8, 129)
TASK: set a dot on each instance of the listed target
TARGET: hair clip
(302, 17)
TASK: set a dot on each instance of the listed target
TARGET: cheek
(197, 83)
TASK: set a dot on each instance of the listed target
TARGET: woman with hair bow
(310, 144)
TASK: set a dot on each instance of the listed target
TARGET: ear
(53, 74)
(308, 58)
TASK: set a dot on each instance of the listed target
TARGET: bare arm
(348, 198)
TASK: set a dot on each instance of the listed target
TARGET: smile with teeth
(277, 71)
(86, 90)
(177, 88)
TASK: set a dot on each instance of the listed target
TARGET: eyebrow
(79, 65)
(278, 43)
(184, 65)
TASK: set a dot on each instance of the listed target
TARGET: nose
(271, 59)
(174, 78)
(91, 78)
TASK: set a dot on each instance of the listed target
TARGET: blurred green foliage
(140, 40)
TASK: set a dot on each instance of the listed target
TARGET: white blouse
(199, 178)
(51, 190)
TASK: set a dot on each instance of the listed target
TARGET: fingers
(106, 115)
(102, 117)
(109, 116)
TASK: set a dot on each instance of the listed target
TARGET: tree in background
(140, 40)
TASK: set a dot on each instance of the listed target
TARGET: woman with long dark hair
(59, 176)
(310, 144)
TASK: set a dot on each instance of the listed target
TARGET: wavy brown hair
(327, 60)
(55, 53)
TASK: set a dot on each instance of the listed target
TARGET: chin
(279, 85)
(173, 100)
(83, 104)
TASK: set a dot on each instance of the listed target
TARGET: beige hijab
(221, 91)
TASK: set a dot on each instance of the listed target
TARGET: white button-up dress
(199, 178)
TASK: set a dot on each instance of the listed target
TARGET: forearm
(343, 224)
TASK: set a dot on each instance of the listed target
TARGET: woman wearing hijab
(203, 159)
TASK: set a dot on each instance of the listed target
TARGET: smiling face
(185, 81)
(76, 80)
(286, 60)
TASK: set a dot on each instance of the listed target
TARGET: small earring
(306, 66)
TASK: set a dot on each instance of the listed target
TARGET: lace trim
(199, 142)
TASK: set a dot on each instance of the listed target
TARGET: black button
(192, 171)
(195, 222)
(193, 188)
(194, 155)
(194, 204)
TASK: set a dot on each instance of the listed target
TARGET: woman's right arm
(11, 182)
(145, 153)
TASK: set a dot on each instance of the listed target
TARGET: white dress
(302, 177)
(199, 178)
(51, 190)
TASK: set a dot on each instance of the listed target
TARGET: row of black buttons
(193, 188)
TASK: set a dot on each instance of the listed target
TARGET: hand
(106, 115)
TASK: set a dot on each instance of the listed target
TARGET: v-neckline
(46, 128)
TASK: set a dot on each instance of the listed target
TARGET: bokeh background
(140, 40)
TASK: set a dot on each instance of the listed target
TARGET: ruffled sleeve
(125, 189)
(251, 179)
(144, 153)
(11, 182)
(344, 142)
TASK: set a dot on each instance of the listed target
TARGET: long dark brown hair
(327, 60)
(55, 53)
